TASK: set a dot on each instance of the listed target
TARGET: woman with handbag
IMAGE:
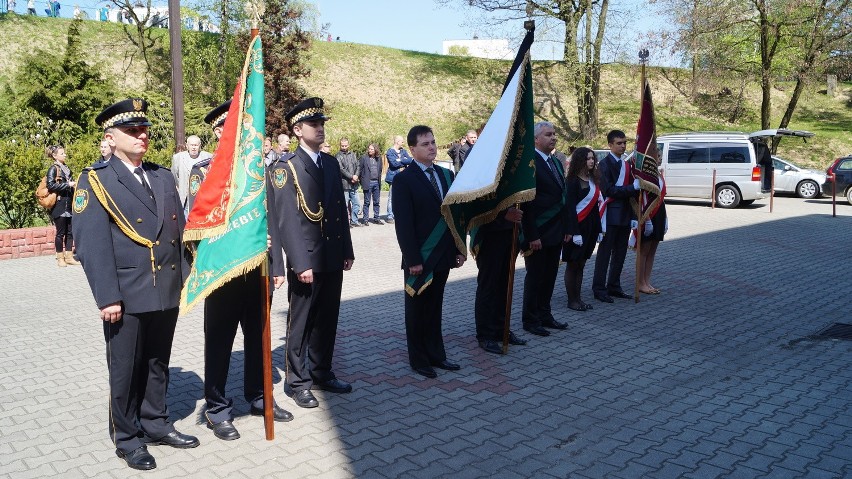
(59, 181)
(583, 223)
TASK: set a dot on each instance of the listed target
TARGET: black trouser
(542, 267)
(63, 234)
(491, 284)
(237, 302)
(372, 192)
(314, 310)
(423, 316)
(611, 254)
(138, 348)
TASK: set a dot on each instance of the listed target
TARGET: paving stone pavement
(715, 377)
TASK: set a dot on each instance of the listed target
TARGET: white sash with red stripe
(584, 207)
(623, 179)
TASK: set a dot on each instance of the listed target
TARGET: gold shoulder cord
(300, 197)
(120, 220)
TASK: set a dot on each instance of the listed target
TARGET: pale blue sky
(423, 24)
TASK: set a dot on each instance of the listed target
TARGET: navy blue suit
(419, 208)
(613, 248)
(119, 270)
(318, 245)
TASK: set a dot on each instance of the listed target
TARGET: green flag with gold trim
(228, 218)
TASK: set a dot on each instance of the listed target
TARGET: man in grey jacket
(349, 172)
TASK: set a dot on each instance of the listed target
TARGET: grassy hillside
(375, 92)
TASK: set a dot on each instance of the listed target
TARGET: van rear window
(729, 154)
(687, 153)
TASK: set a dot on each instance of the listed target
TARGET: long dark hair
(578, 163)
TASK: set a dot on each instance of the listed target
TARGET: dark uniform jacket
(549, 191)
(319, 245)
(118, 268)
(57, 182)
(417, 208)
(196, 177)
(618, 211)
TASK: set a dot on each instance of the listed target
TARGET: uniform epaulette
(154, 166)
(96, 166)
(281, 159)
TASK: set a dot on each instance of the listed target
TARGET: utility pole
(175, 48)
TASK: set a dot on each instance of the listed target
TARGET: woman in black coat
(59, 181)
(583, 222)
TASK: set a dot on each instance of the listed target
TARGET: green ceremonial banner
(500, 169)
(239, 245)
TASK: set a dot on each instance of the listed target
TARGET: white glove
(634, 224)
(577, 239)
(636, 183)
(600, 237)
(666, 228)
(649, 228)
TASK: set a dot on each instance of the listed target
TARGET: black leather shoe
(447, 366)
(334, 386)
(305, 399)
(279, 414)
(389, 221)
(515, 340)
(577, 306)
(537, 330)
(491, 346)
(620, 294)
(138, 458)
(554, 324)
(426, 371)
(175, 439)
(587, 305)
(224, 430)
(365, 222)
(353, 224)
(604, 298)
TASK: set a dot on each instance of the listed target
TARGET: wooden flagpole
(255, 10)
(510, 289)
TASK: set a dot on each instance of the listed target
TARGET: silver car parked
(790, 178)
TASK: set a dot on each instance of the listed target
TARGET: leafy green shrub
(21, 168)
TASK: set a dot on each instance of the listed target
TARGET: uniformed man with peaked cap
(128, 224)
(235, 303)
(307, 207)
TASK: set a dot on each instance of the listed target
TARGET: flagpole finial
(643, 56)
(254, 10)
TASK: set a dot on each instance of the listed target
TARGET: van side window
(687, 153)
(729, 154)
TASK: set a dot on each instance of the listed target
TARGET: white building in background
(497, 49)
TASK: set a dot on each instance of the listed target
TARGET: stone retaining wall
(27, 242)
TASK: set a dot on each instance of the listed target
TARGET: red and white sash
(624, 177)
(584, 207)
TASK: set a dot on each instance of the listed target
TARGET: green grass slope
(374, 92)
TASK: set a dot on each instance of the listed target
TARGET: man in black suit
(418, 193)
(235, 303)
(544, 232)
(307, 207)
(492, 244)
(128, 222)
(617, 187)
